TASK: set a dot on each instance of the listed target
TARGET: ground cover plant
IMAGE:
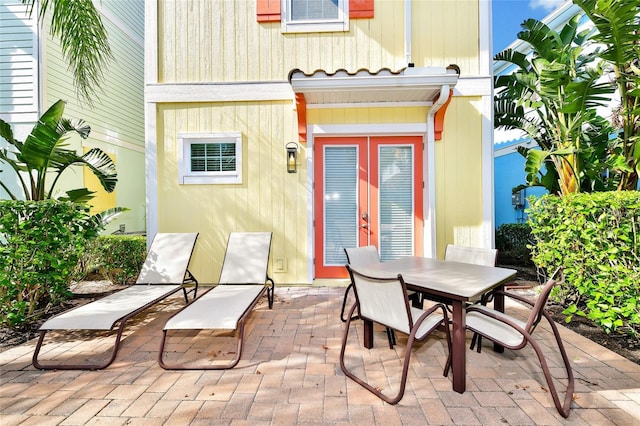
(116, 258)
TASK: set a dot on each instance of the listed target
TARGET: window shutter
(360, 9)
(268, 10)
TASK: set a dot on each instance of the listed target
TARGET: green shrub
(596, 238)
(117, 258)
(40, 244)
(513, 241)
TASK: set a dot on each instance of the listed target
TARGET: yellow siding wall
(212, 41)
(459, 176)
(446, 32)
(367, 115)
(269, 198)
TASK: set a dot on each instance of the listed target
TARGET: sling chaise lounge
(163, 273)
(243, 280)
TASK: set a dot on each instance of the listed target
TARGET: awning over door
(429, 86)
(419, 85)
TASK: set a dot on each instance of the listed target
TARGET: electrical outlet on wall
(280, 265)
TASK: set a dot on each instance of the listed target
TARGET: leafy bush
(513, 241)
(117, 258)
(595, 237)
(40, 244)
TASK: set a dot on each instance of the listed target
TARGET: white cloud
(547, 5)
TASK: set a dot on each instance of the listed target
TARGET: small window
(209, 158)
(315, 15)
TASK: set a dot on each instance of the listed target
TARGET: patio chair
(473, 255)
(243, 281)
(384, 300)
(462, 254)
(360, 256)
(514, 334)
(163, 273)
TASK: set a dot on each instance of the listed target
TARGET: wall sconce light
(292, 157)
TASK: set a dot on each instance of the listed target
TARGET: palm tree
(552, 98)
(83, 40)
(44, 154)
(618, 24)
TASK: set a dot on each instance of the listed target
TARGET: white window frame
(187, 177)
(315, 26)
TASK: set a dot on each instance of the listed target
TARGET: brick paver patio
(289, 374)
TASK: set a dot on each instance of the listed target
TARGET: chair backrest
(358, 256)
(382, 299)
(536, 312)
(246, 259)
(168, 259)
(473, 255)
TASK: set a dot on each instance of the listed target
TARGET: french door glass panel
(396, 208)
(340, 202)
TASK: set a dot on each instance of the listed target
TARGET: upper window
(209, 158)
(315, 15)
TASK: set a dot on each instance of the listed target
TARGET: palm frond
(80, 196)
(617, 23)
(102, 167)
(587, 93)
(513, 57)
(104, 217)
(569, 31)
(43, 138)
(6, 133)
(543, 40)
(83, 40)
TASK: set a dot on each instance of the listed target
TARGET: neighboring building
(388, 105)
(508, 163)
(33, 76)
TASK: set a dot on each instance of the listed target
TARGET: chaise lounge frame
(243, 281)
(164, 272)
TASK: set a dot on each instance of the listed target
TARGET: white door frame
(400, 129)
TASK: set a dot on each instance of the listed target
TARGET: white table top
(457, 280)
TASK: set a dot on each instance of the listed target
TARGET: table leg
(459, 347)
(498, 305)
(368, 334)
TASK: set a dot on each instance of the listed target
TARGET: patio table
(454, 283)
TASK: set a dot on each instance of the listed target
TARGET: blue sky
(509, 14)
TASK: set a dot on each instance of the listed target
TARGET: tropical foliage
(83, 39)
(594, 236)
(618, 25)
(45, 154)
(117, 258)
(39, 249)
(553, 97)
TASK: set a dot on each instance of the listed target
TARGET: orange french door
(368, 190)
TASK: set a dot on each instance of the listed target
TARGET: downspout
(407, 32)
(429, 171)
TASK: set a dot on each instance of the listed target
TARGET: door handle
(364, 225)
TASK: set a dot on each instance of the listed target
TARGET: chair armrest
(517, 297)
(498, 316)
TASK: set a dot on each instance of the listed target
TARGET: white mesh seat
(243, 281)
(515, 334)
(164, 272)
